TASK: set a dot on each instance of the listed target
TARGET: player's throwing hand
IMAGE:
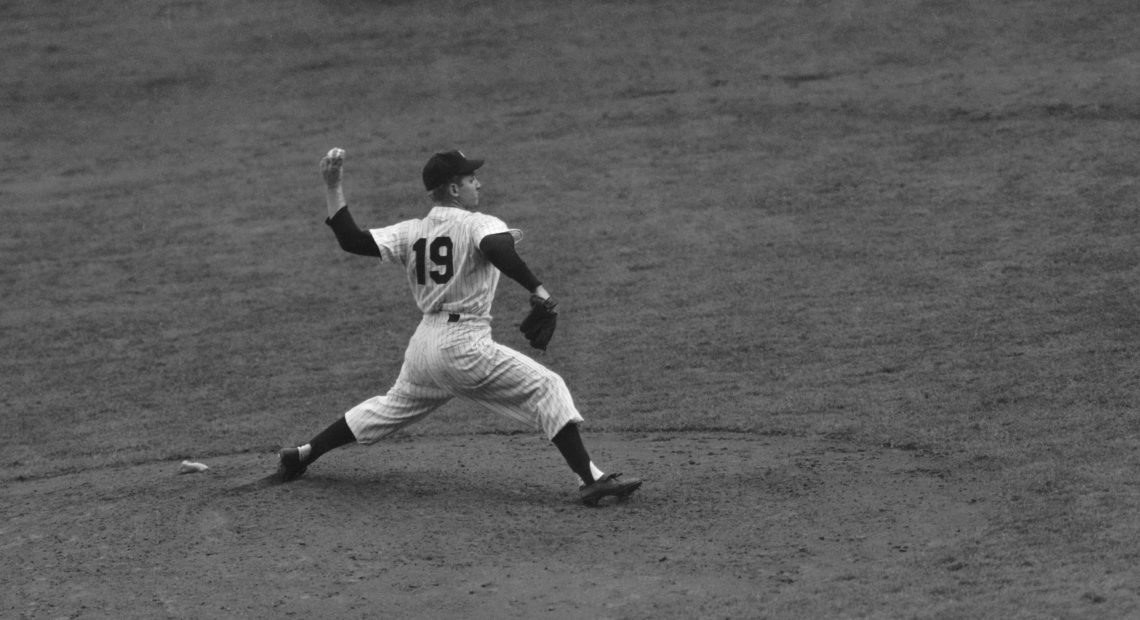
(331, 166)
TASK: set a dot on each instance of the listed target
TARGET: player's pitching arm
(349, 235)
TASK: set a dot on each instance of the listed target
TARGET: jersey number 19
(439, 252)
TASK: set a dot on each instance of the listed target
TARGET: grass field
(815, 258)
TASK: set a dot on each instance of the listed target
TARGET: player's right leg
(366, 423)
(292, 462)
(379, 417)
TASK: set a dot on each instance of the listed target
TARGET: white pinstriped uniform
(451, 356)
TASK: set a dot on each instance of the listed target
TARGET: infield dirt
(850, 283)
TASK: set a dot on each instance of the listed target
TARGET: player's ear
(453, 189)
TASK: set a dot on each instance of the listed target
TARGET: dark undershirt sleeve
(499, 248)
(352, 238)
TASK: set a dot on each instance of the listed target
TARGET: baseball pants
(453, 356)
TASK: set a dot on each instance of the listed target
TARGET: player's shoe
(610, 485)
(289, 465)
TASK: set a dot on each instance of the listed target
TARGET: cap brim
(471, 165)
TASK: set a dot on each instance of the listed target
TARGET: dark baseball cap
(443, 166)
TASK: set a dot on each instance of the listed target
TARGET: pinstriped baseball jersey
(440, 255)
(455, 356)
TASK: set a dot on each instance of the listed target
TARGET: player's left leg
(595, 483)
(515, 385)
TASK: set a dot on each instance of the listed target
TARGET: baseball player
(452, 258)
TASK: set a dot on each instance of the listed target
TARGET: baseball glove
(539, 324)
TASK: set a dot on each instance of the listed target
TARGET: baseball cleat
(289, 465)
(608, 486)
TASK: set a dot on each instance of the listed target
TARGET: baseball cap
(443, 166)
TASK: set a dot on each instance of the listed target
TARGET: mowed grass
(900, 224)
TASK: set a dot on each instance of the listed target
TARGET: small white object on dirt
(190, 467)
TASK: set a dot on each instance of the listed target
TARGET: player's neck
(451, 204)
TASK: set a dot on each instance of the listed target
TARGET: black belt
(453, 318)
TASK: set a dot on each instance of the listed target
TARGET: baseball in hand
(331, 167)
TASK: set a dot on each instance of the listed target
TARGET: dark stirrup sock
(336, 435)
(569, 443)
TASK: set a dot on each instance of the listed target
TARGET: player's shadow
(435, 487)
(411, 486)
